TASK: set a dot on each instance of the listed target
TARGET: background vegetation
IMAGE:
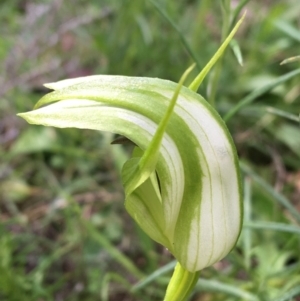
(64, 234)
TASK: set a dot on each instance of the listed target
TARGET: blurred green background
(64, 233)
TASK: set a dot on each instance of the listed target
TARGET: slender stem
(181, 284)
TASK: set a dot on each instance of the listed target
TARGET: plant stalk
(181, 284)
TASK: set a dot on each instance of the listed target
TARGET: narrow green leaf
(287, 28)
(109, 277)
(181, 35)
(268, 188)
(237, 51)
(218, 287)
(272, 226)
(284, 114)
(288, 295)
(288, 134)
(240, 5)
(290, 60)
(198, 80)
(256, 93)
(154, 276)
(247, 239)
(114, 252)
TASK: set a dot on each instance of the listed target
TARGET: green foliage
(64, 233)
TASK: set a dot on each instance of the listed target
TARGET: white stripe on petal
(215, 231)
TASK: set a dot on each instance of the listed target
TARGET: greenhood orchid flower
(182, 183)
(195, 209)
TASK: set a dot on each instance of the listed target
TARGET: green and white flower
(196, 213)
(182, 183)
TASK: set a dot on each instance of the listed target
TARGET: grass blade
(287, 28)
(272, 226)
(268, 188)
(152, 277)
(113, 251)
(198, 80)
(247, 239)
(288, 295)
(237, 51)
(283, 114)
(290, 60)
(218, 287)
(112, 277)
(256, 93)
(181, 35)
(237, 11)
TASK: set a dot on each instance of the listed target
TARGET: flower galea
(182, 184)
(190, 199)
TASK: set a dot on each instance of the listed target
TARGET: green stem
(181, 284)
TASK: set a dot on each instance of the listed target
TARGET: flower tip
(49, 85)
